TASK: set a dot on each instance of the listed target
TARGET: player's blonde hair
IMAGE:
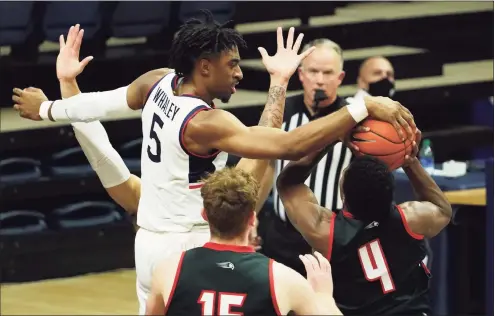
(229, 198)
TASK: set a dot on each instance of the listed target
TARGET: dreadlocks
(196, 39)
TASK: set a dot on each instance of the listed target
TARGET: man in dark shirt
(321, 73)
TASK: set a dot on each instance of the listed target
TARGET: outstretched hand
(68, 64)
(286, 60)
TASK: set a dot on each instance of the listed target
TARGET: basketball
(383, 142)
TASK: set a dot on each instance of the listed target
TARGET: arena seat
(85, 214)
(70, 162)
(91, 15)
(21, 222)
(131, 153)
(140, 19)
(19, 169)
(15, 22)
(222, 11)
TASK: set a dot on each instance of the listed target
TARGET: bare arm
(294, 293)
(300, 203)
(91, 106)
(222, 130)
(162, 283)
(432, 212)
(272, 116)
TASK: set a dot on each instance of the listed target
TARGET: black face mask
(382, 88)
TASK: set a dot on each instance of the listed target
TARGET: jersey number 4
(375, 265)
(223, 301)
(154, 136)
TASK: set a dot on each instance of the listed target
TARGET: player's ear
(205, 67)
(252, 219)
(203, 214)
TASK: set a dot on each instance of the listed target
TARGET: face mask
(382, 88)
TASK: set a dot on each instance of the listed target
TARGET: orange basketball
(382, 142)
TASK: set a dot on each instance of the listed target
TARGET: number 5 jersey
(171, 175)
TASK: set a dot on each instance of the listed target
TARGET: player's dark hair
(368, 188)
(197, 39)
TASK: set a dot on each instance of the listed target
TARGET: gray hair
(325, 42)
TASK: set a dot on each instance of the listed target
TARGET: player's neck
(241, 241)
(189, 86)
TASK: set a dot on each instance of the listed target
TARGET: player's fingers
(85, 62)
(297, 44)
(280, 38)
(61, 41)
(405, 125)
(361, 129)
(410, 118)
(263, 52)
(290, 38)
(324, 263)
(307, 264)
(314, 262)
(16, 99)
(306, 53)
(78, 41)
(70, 37)
(17, 91)
(398, 128)
(32, 89)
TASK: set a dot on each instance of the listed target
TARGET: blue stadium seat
(18, 169)
(131, 153)
(20, 222)
(70, 162)
(85, 214)
(222, 11)
(60, 15)
(15, 22)
(140, 19)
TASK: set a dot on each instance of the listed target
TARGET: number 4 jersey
(377, 267)
(170, 175)
(223, 280)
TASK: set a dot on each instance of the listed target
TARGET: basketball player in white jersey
(183, 133)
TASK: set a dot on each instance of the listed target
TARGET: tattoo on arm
(273, 113)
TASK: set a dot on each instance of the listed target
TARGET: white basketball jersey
(170, 175)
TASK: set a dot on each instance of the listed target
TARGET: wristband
(45, 106)
(357, 109)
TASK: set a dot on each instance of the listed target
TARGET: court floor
(109, 293)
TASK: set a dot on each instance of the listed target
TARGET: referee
(321, 73)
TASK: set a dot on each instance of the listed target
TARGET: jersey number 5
(224, 302)
(375, 265)
(153, 135)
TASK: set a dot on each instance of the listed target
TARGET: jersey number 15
(223, 301)
(375, 266)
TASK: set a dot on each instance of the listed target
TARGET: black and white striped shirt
(324, 180)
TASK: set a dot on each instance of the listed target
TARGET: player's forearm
(86, 107)
(327, 305)
(272, 116)
(297, 172)
(426, 188)
(69, 88)
(273, 112)
(317, 134)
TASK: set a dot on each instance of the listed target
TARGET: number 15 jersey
(171, 176)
